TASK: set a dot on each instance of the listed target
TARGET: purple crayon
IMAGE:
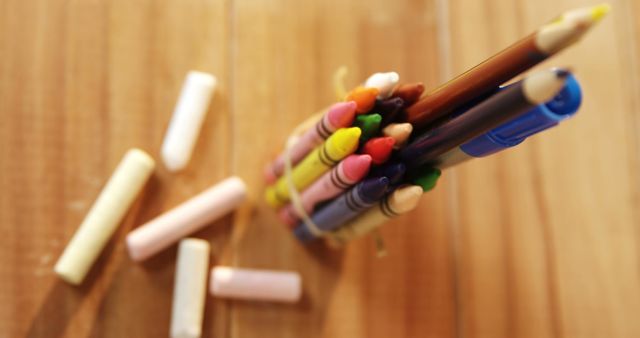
(349, 172)
(393, 171)
(340, 115)
(345, 207)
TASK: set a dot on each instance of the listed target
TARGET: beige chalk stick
(105, 215)
(251, 284)
(188, 217)
(190, 288)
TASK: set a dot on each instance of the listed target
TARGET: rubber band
(338, 82)
(381, 250)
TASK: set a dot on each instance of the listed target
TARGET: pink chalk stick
(340, 115)
(188, 217)
(347, 173)
(251, 284)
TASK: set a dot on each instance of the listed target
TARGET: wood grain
(538, 241)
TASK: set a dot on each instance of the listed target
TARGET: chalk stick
(190, 288)
(186, 218)
(251, 284)
(105, 215)
(187, 119)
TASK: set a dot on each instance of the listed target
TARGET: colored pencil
(488, 75)
(497, 109)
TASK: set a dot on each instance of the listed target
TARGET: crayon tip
(365, 98)
(394, 172)
(373, 189)
(384, 82)
(356, 167)
(343, 142)
(427, 179)
(341, 114)
(405, 199)
(399, 131)
(353, 132)
(379, 148)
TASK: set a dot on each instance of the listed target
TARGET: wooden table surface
(538, 241)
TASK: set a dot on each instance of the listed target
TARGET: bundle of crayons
(371, 157)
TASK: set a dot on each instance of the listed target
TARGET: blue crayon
(514, 132)
(345, 207)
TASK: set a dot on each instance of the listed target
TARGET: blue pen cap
(542, 117)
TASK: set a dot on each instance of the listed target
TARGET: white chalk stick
(105, 215)
(250, 284)
(188, 217)
(190, 288)
(187, 119)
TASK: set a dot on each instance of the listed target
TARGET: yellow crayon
(338, 146)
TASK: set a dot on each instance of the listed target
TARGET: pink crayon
(340, 115)
(347, 173)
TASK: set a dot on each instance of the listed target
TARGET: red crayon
(379, 149)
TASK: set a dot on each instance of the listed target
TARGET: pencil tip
(600, 11)
(562, 73)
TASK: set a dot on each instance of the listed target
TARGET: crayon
(379, 148)
(340, 115)
(409, 93)
(105, 215)
(426, 177)
(393, 171)
(400, 133)
(187, 120)
(402, 200)
(507, 104)
(190, 288)
(185, 219)
(253, 284)
(364, 98)
(339, 145)
(369, 124)
(514, 132)
(384, 82)
(389, 109)
(348, 172)
(515, 59)
(345, 207)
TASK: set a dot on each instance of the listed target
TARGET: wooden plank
(285, 54)
(82, 82)
(548, 230)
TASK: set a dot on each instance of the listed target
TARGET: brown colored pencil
(496, 70)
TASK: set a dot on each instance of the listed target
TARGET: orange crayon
(364, 97)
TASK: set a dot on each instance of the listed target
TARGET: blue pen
(514, 132)
(345, 207)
